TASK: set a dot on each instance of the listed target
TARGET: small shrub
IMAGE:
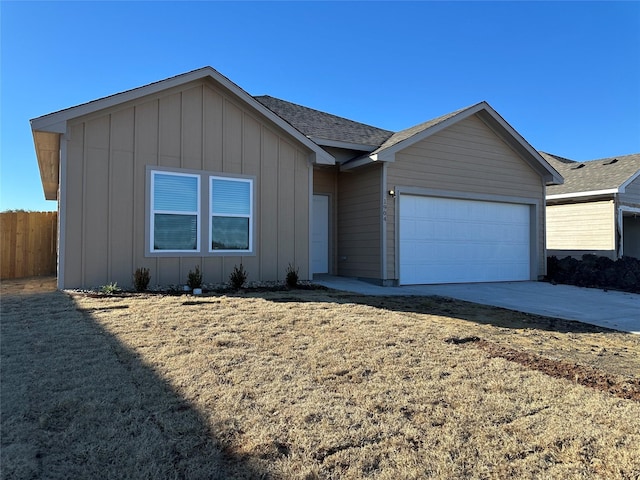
(292, 276)
(195, 278)
(237, 277)
(141, 279)
(110, 288)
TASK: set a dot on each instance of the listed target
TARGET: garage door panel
(454, 241)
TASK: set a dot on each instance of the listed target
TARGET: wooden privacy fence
(28, 244)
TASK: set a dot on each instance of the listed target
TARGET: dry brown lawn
(309, 384)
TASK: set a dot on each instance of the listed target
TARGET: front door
(320, 235)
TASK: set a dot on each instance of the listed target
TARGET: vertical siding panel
(232, 146)
(212, 162)
(268, 219)
(251, 166)
(145, 153)
(286, 214)
(73, 228)
(96, 202)
(169, 123)
(192, 128)
(301, 215)
(121, 193)
(213, 130)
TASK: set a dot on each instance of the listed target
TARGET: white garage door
(446, 240)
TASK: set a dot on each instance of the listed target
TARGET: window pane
(175, 193)
(229, 233)
(230, 197)
(175, 232)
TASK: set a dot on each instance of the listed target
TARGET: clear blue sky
(564, 75)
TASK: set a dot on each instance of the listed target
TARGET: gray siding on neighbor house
(631, 245)
(198, 126)
(631, 195)
(465, 160)
(359, 233)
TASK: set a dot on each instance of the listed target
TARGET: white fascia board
(592, 193)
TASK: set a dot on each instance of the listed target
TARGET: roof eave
(48, 155)
(57, 121)
(324, 142)
(591, 193)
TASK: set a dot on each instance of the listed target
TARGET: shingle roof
(321, 125)
(594, 175)
(410, 132)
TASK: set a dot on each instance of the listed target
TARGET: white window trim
(153, 212)
(212, 214)
(204, 212)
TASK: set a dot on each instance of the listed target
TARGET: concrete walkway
(616, 310)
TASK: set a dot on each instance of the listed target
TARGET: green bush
(238, 277)
(292, 276)
(194, 279)
(110, 288)
(141, 279)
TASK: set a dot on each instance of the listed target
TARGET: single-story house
(192, 170)
(597, 209)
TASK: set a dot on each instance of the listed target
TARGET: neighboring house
(193, 170)
(597, 209)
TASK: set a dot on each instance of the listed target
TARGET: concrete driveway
(610, 309)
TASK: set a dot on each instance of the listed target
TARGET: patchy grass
(309, 384)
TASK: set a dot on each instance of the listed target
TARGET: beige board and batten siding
(359, 237)
(325, 182)
(584, 227)
(197, 126)
(465, 160)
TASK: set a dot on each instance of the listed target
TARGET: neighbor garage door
(445, 240)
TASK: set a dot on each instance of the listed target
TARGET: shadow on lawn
(77, 403)
(436, 305)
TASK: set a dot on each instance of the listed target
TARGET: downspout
(619, 232)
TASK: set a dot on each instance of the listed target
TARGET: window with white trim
(230, 214)
(175, 212)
